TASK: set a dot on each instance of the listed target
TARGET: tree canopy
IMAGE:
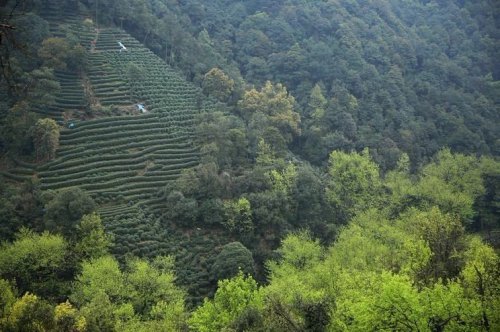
(249, 165)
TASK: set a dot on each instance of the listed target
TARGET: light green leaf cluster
(373, 243)
(355, 183)
(298, 278)
(233, 298)
(32, 259)
(143, 293)
(238, 215)
(284, 180)
(452, 182)
(93, 240)
(418, 271)
(68, 318)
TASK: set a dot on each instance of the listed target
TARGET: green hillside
(123, 155)
(249, 165)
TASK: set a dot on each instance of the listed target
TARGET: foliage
(295, 81)
(7, 299)
(93, 241)
(67, 318)
(269, 113)
(222, 138)
(30, 313)
(372, 274)
(453, 182)
(355, 183)
(34, 262)
(39, 86)
(238, 215)
(58, 53)
(234, 298)
(398, 88)
(445, 237)
(110, 298)
(292, 292)
(65, 209)
(218, 84)
(9, 222)
(46, 139)
(232, 258)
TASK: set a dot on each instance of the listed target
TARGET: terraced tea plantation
(71, 100)
(123, 155)
(124, 160)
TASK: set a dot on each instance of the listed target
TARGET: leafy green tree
(15, 129)
(54, 52)
(68, 319)
(372, 242)
(271, 211)
(234, 298)
(46, 139)
(452, 182)
(66, 209)
(223, 138)
(92, 240)
(7, 299)
(293, 300)
(29, 205)
(238, 216)
(217, 83)
(487, 206)
(480, 277)
(397, 304)
(312, 205)
(266, 156)
(373, 271)
(9, 221)
(277, 107)
(100, 276)
(30, 313)
(354, 183)
(233, 257)
(39, 86)
(212, 211)
(284, 180)
(101, 315)
(77, 59)
(180, 209)
(113, 299)
(34, 262)
(60, 54)
(317, 103)
(445, 236)
(153, 286)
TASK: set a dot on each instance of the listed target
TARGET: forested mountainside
(249, 165)
(394, 76)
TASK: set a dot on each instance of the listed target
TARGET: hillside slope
(121, 155)
(397, 76)
(109, 146)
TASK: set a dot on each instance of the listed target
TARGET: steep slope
(122, 155)
(126, 159)
(397, 76)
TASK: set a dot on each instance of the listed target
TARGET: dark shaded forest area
(291, 165)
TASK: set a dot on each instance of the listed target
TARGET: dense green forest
(225, 165)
